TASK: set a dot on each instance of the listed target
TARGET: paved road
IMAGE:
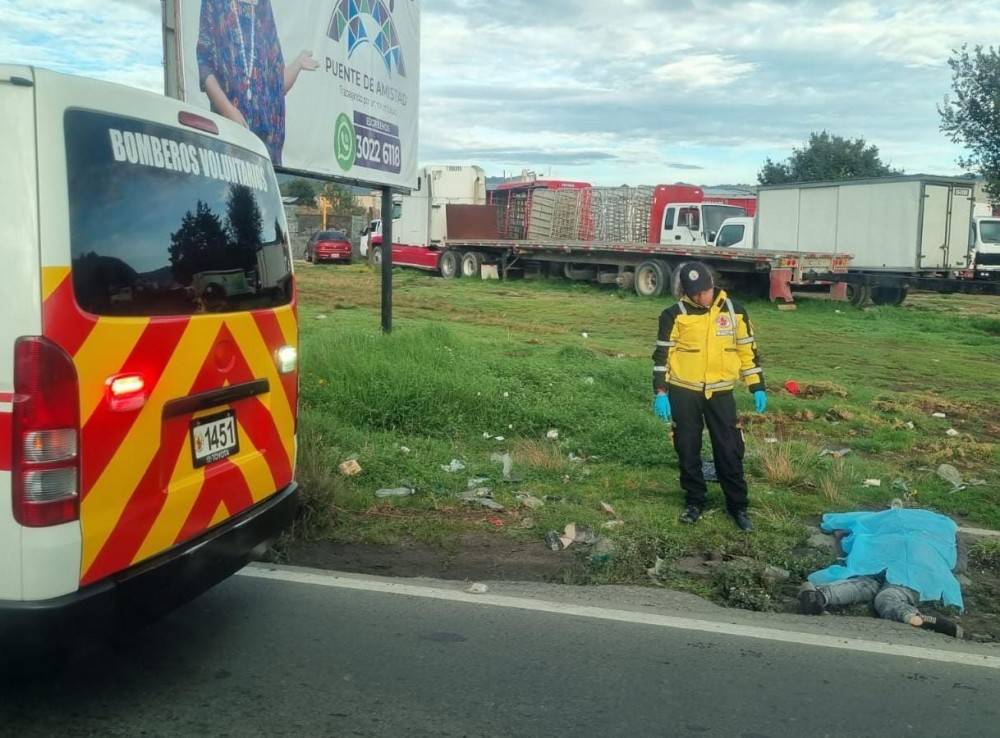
(369, 657)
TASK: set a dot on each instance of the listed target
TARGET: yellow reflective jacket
(706, 349)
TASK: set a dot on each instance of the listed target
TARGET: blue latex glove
(661, 406)
(759, 401)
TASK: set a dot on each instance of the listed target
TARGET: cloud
(631, 91)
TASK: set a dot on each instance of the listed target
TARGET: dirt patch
(475, 556)
(478, 556)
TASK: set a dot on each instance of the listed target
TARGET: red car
(328, 246)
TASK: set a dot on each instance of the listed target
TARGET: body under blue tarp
(915, 548)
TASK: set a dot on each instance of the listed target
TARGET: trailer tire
(891, 296)
(858, 294)
(472, 264)
(450, 264)
(652, 278)
(375, 257)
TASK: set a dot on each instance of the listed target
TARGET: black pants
(691, 411)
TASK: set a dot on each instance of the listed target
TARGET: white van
(147, 434)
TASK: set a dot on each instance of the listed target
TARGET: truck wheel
(375, 257)
(450, 265)
(891, 296)
(858, 294)
(652, 279)
(472, 264)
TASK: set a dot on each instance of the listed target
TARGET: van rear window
(170, 222)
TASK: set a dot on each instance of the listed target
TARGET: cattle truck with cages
(633, 237)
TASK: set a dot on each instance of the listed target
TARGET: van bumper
(151, 589)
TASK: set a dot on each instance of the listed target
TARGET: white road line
(332, 579)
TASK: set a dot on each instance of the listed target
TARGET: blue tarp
(915, 548)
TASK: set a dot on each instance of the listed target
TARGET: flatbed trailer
(645, 267)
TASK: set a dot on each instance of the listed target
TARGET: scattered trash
(568, 538)
(655, 570)
(838, 454)
(501, 439)
(837, 312)
(576, 459)
(584, 335)
(951, 432)
(320, 317)
(976, 482)
(872, 483)
(900, 484)
(487, 434)
(527, 523)
(553, 541)
(530, 501)
(602, 553)
(490, 504)
(404, 450)
(552, 435)
(476, 493)
(787, 306)
(951, 475)
(896, 504)
(909, 425)
(612, 524)
(589, 380)
(498, 522)
(350, 467)
(477, 588)
(938, 415)
(582, 534)
(508, 465)
(454, 466)
(770, 440)
(477, 482)
(792, 386)
(608, 509)
(506, 394)
(708, 471)
(395, 492)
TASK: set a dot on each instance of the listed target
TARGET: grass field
(469, 361)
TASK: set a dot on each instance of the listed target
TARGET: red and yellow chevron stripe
(140, 491)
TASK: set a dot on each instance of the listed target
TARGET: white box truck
(903, 232)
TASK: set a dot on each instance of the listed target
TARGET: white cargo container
(909, 224)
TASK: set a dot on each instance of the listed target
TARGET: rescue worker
(705, 344)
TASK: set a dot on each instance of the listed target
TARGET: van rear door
(188, 389)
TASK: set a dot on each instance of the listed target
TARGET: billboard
(332, 87)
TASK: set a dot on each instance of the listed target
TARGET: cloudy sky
(617, 91)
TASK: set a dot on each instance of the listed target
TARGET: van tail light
(46, 435)
(126, 392)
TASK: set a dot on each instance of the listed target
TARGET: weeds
(471, 362)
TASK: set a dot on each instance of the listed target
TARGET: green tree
(826, 157)
(341, 199)
(972, 118)
(304, 189)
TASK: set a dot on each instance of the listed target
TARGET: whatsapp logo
(344, 143)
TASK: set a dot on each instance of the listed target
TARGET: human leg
(895, 602)
(727, 450)
(686, 408)
(815, 599)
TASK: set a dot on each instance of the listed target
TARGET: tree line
(970, 117)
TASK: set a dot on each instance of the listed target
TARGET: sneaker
(811, 600)
(691, 514)
(942, 625)
(743, 522)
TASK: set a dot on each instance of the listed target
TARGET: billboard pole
(171, 83)
(387, 260)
